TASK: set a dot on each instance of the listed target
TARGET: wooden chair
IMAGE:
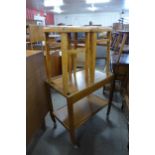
(119, 64)
(120, 60)
(116, 42)
(75, 85)
(125, 104)
(36, 36)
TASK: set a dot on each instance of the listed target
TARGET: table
(77, 86)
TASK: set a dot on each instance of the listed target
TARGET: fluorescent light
(126, 6)
(57, 9)
(97, 1)
(48, 3)
(92, 8)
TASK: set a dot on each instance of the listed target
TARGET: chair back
(36, 33)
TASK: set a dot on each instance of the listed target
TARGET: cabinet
(36, 97)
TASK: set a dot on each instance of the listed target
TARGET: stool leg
(74, 64)
(70, 62)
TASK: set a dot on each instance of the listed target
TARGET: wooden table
(77, 86)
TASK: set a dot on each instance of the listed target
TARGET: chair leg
(111, 96)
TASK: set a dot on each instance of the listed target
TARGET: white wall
(103, 18)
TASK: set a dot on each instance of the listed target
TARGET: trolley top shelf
(80, 86)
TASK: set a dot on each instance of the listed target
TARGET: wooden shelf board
(79, 84)
(83, 110)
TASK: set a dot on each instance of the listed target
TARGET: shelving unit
(75, 85)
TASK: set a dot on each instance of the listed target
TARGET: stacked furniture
(77, 86)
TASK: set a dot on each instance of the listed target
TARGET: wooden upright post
(108, 53)
(87, 56)
(64, 49)
(48, 59)
(93, 40)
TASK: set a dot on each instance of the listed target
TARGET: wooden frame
(78, 92)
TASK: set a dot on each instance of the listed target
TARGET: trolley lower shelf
(83, 110)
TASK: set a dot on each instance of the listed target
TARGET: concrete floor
(99, 136)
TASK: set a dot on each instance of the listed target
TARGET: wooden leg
(48, 59)
(111, 95)
(108, 53)
(64, 49)
(74, 58)
(117, 42)
(72, 137)
(71, 123)
(70, 62)
(87, 57)
(93, 40)
(50, 104)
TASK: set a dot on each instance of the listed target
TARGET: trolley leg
(50, 104)
(71, 124)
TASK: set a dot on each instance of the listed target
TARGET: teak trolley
(77, 86)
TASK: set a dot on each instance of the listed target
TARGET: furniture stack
(77, 86)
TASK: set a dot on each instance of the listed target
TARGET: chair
(36, 36)
(119, 64)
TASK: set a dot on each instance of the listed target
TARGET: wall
(103, 18)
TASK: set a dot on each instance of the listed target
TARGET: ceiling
(78, 6)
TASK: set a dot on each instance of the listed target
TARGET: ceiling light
(57, 9)
(126, 5)
(92, 8)
(97, 1)
(48, 3)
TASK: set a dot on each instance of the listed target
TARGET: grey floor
(99, 136)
